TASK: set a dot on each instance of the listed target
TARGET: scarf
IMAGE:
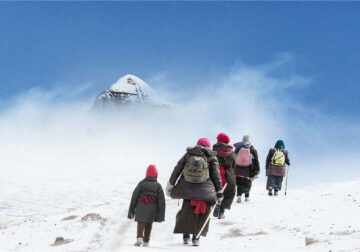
(147, 199)
(200, 206)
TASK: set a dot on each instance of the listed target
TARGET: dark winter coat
(192, 191)
(273, 172)
(151, 211)
(189, 223)
(243, 185)
(251, 170)
(226, 158)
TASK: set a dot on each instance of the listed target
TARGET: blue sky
(43, 44)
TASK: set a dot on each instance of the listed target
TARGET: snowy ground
(34, 209)
(66, 172)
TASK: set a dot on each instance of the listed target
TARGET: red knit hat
(204, 142)
(223, 138)
(152, 171)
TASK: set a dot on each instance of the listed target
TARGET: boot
(186, 239)
(270, 191)
(216, 211)
(138, 242)
(238, 199)
(276, 192)
(247, 198)
(195, 241)
(146, 244)
(221, 213)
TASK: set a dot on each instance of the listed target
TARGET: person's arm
(268, 159)
(214, 171)
(160, 216)
(256, 161)
(287, 160)
(134, 199)
(233, 160)
(177, 170)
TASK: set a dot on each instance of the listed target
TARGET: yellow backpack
(278, 159)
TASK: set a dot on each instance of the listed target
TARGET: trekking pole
(287, 175)
(210, 213)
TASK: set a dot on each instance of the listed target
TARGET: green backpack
(278, 159)
(196, 170)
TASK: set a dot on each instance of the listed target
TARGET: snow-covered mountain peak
(128, 90)
(131, 84)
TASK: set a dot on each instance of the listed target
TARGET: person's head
(280, 144)
(151, 171)
(223, 138)
(246, 140)
(204, 142)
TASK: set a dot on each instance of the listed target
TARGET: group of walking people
(206, 178)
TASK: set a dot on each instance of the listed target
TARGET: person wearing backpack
(247, 167)
(275, 167)
(226, 158)
(147, 205)
(195, 179)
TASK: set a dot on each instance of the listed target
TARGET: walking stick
(287, 175)
(210, 213)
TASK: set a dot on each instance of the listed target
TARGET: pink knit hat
(151, 171)
(204, 142)
(223, 138)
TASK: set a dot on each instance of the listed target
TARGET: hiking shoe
(247, 198)
(146, 244)
(221, 216)
(216, 212)
(238, 199)
(138, 242)
(276, 192)
(186, 241)
(196, 242)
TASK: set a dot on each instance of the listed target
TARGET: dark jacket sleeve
(215, 172)
(287, 160)
(177, 170)
(229, 171)
(233, 160)
(134, 199)
(256, 165)
(160, 216)
(268, 159)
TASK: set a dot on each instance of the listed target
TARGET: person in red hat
(226, 158)
(147, 205)
(195, 179)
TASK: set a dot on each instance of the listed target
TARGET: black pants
(246, 194)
